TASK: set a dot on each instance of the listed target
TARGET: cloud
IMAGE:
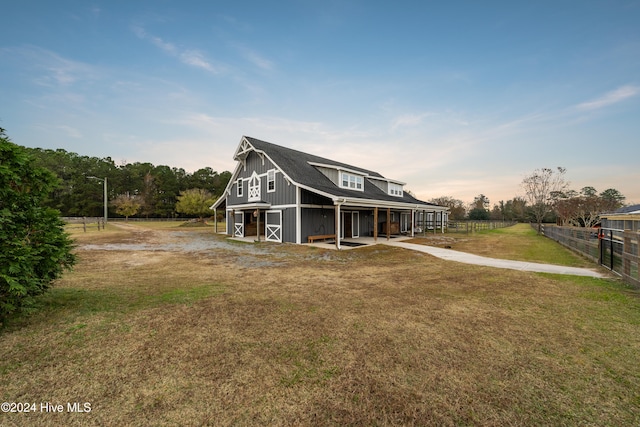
(191, 57)
(156, 41)
(408, 120)
(70, 131)
(611, 98)
(197, 59)
(59, 71)
(254, 58)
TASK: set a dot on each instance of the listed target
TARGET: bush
(34, 248)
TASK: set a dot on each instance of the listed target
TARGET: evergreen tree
(34, 248)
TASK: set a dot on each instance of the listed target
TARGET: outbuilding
(285, 195)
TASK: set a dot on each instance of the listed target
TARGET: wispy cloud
(156, 41)
(408, 120)
(611, 98)
(59, 71)
(191, 57)
(198, 60)
(254, 57)
(70, 131)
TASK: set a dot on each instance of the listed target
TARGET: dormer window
(396, 190)
(352, 182)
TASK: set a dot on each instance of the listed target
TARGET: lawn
(267, 334)
(519, 242)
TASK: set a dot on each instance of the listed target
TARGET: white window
(395, 190)
(240, 185)
(271, 180)
(352, 182)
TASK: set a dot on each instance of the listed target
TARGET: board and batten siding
(317, 221)
(332, 174)
(284, 194)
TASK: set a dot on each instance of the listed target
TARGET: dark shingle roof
(296, 165)
(628, 209)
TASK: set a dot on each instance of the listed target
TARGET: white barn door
(238, 224)
(273, 226)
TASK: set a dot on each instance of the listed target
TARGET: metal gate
(611, 249)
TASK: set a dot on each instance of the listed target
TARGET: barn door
(273, 226)
(238, 224)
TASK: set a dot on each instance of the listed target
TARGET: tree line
(547, 198)
(153, 190)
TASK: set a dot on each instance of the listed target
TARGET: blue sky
(453, 98)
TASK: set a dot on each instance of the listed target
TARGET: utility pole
(106, 202)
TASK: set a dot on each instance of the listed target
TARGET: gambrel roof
(303, 169)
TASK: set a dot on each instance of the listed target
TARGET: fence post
(626, 253)
(611, 247)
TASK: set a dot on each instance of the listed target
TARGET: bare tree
(540, 187)
(583, 209)
(456, 207)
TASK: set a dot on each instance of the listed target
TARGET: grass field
(519, 242)
(267, 334)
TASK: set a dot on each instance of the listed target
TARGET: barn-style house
(285, 195)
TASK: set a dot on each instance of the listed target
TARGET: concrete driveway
(451, 255)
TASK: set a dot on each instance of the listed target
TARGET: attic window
(352, 182)
(240, 187)
(395, 190)
(271, 180)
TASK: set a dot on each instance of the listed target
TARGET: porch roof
(249, 206)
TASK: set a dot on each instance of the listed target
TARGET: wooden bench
(312, 239)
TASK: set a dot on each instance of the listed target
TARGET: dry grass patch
(306, 336)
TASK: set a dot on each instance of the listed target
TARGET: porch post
(215, 221)
(424, 223)
(233, 223)
(388, 223)
(435, 222)
(411, 225)
(258, 224)
(338, 226)
(375, 224)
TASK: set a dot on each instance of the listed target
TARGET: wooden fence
(579, 239)
(474, 226)
(631, 258)
(85, 222)
(616, 250)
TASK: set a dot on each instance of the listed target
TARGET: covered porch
(367, 224)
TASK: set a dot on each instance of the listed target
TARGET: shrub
(34, 248)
